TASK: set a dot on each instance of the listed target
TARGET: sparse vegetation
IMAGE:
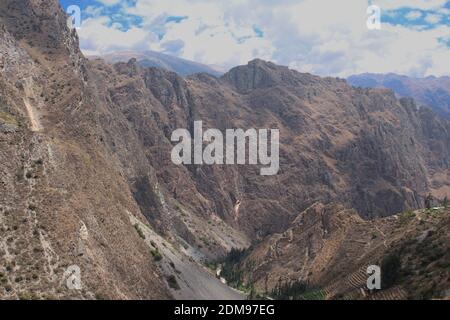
(205, 241)
(3, 279)
(313, 295)
(211, 265)
(406, 217)
(139, 231)
(156, 255)
(38, 162)
(28, 296)
(445, 202)
(429, 201)
(296, 290)
(8, 118)
(289, 290)
(390, 270)
(230, 267)
(99, 296)
(173, 283)
(19, 173)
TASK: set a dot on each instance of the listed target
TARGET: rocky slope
(87, 178)
(77, 180)
(64, 201)
(362, 147)
(330, 248)
(430, 91)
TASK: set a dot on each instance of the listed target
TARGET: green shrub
(429, 201)
(406, 217)
(231, 267)
(211, 265)
(289, 290)
(390, 270)
(28, 296)
(19, 173)
(139, 231)
(173, 283)
(156, 255)
(445, 203)
(99, 296)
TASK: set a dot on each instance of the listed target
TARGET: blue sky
(325, 37)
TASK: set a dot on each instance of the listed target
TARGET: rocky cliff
(327, 251)
(362, 147)
(64, 201)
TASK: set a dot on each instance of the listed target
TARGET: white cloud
(433, 18)
(318, 36)
(413, 15)
(109, 2)
(99, 36)
(416, 4)
(443, 11)
(93, 11)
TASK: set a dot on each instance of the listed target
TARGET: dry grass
(8, 118)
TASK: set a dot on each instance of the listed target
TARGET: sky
(324, 37)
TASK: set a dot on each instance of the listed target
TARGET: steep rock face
(330, 248)
(362, 147)
(63, 201)
(155, 103)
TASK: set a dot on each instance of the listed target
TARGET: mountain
(163, 61)
(87, 179)
(328, 248)
(430, 91)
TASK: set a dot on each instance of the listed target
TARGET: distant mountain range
(431, 91)
(163, 61)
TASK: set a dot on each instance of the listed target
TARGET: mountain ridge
(328, 249)
(431, 91)
(160, 60)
